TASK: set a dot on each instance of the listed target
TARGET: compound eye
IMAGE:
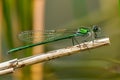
(96, 28)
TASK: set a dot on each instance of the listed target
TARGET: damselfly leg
(75, 40)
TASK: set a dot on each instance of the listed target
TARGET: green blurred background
(100, 64)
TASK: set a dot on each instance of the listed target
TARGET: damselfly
(56, 35)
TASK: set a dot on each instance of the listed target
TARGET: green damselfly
(56, 35)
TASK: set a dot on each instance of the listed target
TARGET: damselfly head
(96, 28)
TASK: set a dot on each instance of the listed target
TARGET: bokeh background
(100, 64)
